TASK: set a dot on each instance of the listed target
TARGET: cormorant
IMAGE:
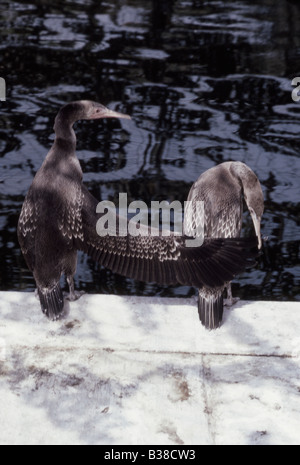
(221, 189)
(59, 217)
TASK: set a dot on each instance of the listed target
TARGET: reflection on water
(204, 81)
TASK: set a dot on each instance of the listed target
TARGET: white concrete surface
(143, 371)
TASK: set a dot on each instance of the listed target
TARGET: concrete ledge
(128, 370)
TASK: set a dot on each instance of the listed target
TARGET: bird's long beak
(114, 114)
(256, 223)
(106, 113)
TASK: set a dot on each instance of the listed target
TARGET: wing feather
(164, 260)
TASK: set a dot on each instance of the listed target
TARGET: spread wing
(164, 260)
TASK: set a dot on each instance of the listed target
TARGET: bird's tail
(52, 301)
(210, 308)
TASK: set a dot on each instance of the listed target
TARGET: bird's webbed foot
(230, 301)
(73, 295)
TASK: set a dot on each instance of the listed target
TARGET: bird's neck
(65, 136)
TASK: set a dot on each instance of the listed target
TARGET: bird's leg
(230, 301)
(73, 295)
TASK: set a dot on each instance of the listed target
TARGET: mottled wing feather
(194, 217)
(68, 214)
(48, 219)
(164, 260)
(227, 223)
(201, 215)
(27, 228)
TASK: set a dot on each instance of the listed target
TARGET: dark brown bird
(221, 189)
(59, 218)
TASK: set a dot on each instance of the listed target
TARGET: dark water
(204, 81)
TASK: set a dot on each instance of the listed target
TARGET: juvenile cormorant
(221, 189)
(59, 218)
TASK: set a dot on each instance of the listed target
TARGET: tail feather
(210, 310)
(52, 302)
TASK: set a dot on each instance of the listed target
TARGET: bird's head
(254, 198)
(85, 110)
